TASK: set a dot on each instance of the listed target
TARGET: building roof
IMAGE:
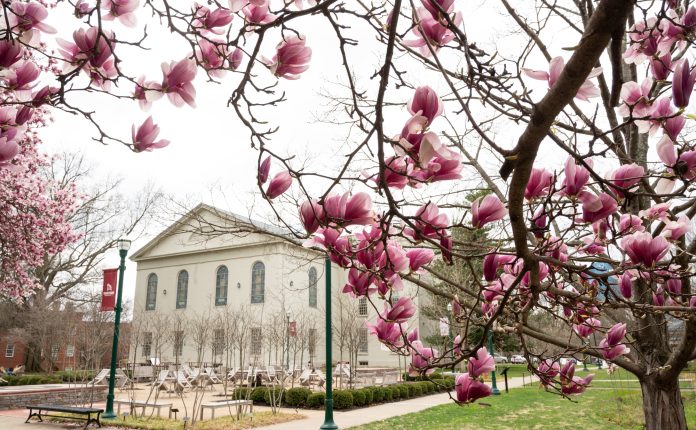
(230, 223)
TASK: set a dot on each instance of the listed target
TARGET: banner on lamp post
(444, 327)
(109, 290)
(293, 328)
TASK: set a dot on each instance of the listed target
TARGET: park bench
(83, 414)
(144, 405)
(226, 403)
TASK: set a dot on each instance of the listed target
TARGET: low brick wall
(57, 396)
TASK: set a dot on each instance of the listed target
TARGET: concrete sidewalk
(14, 419)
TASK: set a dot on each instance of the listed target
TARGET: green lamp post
(494, 387)
(123, 246)
(329, 423)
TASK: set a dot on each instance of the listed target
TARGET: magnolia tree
(577, 129)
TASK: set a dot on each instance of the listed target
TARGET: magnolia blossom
(347, 209)
(538, 185)
(636, 99)
(626, 285)
(311, 215)
(487, 209)
(279, 184)
(425, 103)
(10, 53)
(480, 365)
(429, 223)
(144, 137)
(596, 208)
(630, 224)
(626, 177)
(400, 311)
(643, 248)
(548, 370)
(291, 59)
(388, 333)
(25, 17)
(360, 283)
(421, 358)
(683, 84)
(469, 389)
(177, 82)
(211, 21)
(431, 33)
(419, 257)
(121, 10)
(258, 14)
(676, 229)
(587, 89)
(492, 262)
(264, 169)
(576, 177)
(587, 327)
(611, 346)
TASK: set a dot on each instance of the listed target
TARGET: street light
(287, 340)
(494, 388)
(329, 423)
(123, 246)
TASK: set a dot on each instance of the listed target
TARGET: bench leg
(33, 414)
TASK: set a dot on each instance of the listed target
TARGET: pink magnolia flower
(393, 258)
(660, 111)
(359, 283)
(626, 285)
(644, 249)
(92, 53)
(492, 262)
(658, 211)
(82, 8)
(311, 215)
(636, 99)
(443, 168)
(400, 311)
(446, 5)
(291, 59)
(121, 10)
(338, 245)
(23, 78)
(26, 17)
(587, 89)
(673, 126)
(421, 358)
(549, 370)
(480, 365)
(686, 166)
(576, 177)
(207, 20)
(469, 390)
(661, 67)
(212, 57)
(587, 327)
(258, 14)
(300, 3)
(146, 93)
(8, 150)
(177, 82)
(412, 335)
(236, 58)
(24, 114)
(144, 137)
(658, 296)
(346, 209)
(676, 229)
(396, 172)
(10, 53)
(611, 346)
(388, 333)
(426, 103)
(576, 385)
(538, 185)
(596, 208)
(626, 177)
(487, 209)
(674, 286)
(430, 32)
(44, 96)
(419, 257)
(429, 223)
(683, 84)
(279, 184)
(264, 169)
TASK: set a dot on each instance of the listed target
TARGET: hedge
(258, 395)
(395, 392)
(240, 393)
(54, 378)
(369, 396)
(388, 393)
(405, 394)
(377, 394)
(297, 397)
(342, 399)
(358, 398)
(315, 400)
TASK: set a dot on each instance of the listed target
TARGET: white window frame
(10, 350)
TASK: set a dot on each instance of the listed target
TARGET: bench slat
(55, 408)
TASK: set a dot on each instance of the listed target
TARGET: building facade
(216, 288)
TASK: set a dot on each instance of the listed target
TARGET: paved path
(14, 420)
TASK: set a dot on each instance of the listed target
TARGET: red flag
(109, 290)
(293, 328)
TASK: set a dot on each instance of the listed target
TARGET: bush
(377, 394)
(277, 392)
(258, 394)
(415, 389)
(297, 397)
(342, 399)
(358, 398)
(316, 400)
(405, 393)
(240, 393)
(395, 392)
(427, 387)
(369, 396)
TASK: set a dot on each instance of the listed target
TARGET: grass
(259, 419)
(531, 408)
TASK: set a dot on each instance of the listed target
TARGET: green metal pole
(287, 343)
(114, 346)
(494, 387)
(329, 423)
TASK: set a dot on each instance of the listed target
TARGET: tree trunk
(662, 404)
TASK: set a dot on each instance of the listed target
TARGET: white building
(208, 289)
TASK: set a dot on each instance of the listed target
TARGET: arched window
(221, 286)
(151, 296)
(312, 287)
(181, 289)
(258, 282)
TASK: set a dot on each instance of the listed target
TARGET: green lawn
(532, 408)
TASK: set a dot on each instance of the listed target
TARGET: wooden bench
(144, 405)
(226, 403)
(83, 414)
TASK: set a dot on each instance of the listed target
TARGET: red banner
(293, 328)
(109, 290)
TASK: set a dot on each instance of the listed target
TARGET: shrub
(449, 382)
(342, 399)
(297, 397)
(369, 396)
(377, 394)
(415, 389)
(358, 398)
(315, 400)
(277, 392)
(240, 393)
(258, 394)
(427, 387)
(395, 392)
(403, 388)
